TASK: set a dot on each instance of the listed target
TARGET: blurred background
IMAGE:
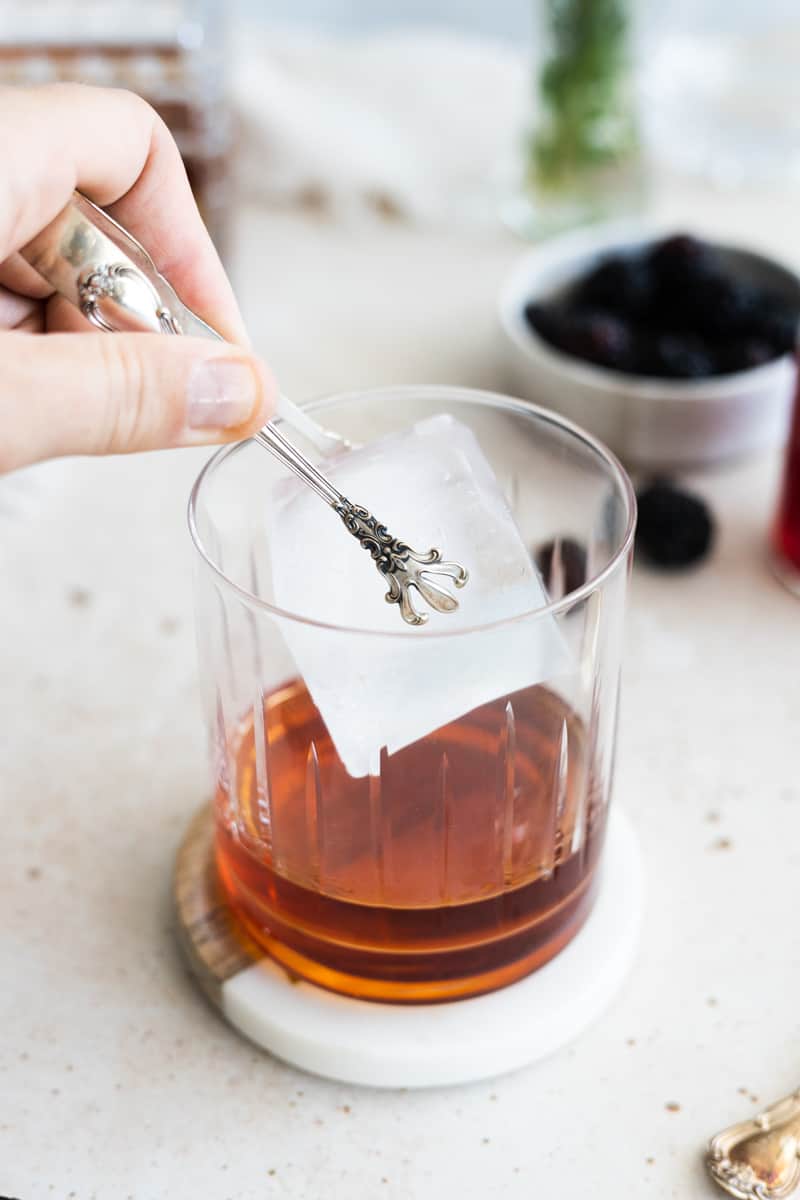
(369, 171)
(429, 109)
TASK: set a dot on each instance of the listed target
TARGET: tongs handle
(100, 268)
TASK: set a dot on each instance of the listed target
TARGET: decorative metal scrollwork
(403, 567)
(759, 1159)
(107, 289)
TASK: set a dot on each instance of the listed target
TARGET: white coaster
(386, 1045)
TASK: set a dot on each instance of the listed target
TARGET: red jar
(786, 534)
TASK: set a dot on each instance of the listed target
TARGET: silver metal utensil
(759, 1158)
(99, 267)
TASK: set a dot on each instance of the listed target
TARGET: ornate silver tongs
(90, 259)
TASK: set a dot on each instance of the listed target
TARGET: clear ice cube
(387, 684)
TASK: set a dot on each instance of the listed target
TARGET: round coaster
(386, 1045)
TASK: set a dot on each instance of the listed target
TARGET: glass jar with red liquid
(786, 533)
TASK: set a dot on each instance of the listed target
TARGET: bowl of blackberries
(674, 349)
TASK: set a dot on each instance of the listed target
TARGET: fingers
(113, 146)
(96, 394)
(18, 312)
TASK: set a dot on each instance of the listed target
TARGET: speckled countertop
(116, 1079)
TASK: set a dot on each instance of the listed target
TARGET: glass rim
(479, 397)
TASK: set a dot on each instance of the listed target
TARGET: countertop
(118, 1081)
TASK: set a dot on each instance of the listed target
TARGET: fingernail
(221, 394)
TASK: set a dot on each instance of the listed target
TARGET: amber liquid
(468, 862)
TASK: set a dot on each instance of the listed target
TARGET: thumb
(101, 394)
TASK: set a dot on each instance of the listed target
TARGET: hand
(101, 394)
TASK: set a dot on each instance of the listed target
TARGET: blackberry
(672, 311)
(675, 528)
(720, 306)
(777, 323)
(676, 356)
(543, 319)
(597, 337)
(569, 563)
(678, 261)
(619, 285)
(742, 355)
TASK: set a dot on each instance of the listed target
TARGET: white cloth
(415, 124)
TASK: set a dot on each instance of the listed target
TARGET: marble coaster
(386, 1045)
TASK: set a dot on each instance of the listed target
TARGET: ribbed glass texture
(468, 859)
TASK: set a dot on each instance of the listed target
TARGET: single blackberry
(676, 356)
(618, 285)
(562, 562)
(597, 337)
(720, 306)
(742, 355)
(543, 319)
(675, 528)
(678, 261)
(777, 323)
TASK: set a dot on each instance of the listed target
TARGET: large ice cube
(392, 684)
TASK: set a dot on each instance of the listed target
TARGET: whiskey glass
(468, 859)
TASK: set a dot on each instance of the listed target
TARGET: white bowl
(654, 423)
